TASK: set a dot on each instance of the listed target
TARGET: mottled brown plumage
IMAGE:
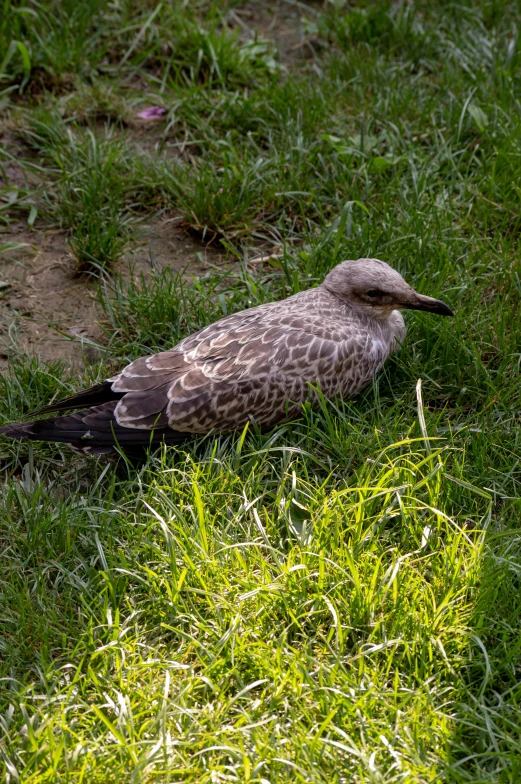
(259, 364)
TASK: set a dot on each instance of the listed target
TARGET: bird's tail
(95, 431)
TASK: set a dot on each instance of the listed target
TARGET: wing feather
(217, 378)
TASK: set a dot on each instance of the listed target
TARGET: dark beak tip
(431, 305)
(444, 309)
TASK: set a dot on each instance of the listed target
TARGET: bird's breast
(362, 358)
(397, 328)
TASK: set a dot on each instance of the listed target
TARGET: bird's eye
(374, 293)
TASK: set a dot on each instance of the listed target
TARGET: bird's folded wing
(216, 379)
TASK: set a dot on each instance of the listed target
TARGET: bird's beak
(420, 302)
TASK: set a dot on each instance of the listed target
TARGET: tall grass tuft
(89, 198)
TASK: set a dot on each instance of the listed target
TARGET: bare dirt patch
(46, 310)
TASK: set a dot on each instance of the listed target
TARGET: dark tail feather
(94, 396)
(101, 434)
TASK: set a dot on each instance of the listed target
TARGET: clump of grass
(92, 206)
(214, 56)
(222, 198)
(89, 197)
(95, 102)
(47, 43)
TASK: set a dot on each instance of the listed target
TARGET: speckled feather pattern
(261, 363)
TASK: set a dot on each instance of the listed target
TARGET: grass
(88, 199)
(337, 600)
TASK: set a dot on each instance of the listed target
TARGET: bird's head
(374, 288)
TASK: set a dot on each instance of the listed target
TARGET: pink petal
(151, 112)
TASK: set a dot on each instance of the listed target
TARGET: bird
(258, 364)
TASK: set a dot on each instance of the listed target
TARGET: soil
(48, 311)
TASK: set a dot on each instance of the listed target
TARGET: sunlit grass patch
(272, 610)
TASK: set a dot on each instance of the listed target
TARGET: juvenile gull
(259, 364)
